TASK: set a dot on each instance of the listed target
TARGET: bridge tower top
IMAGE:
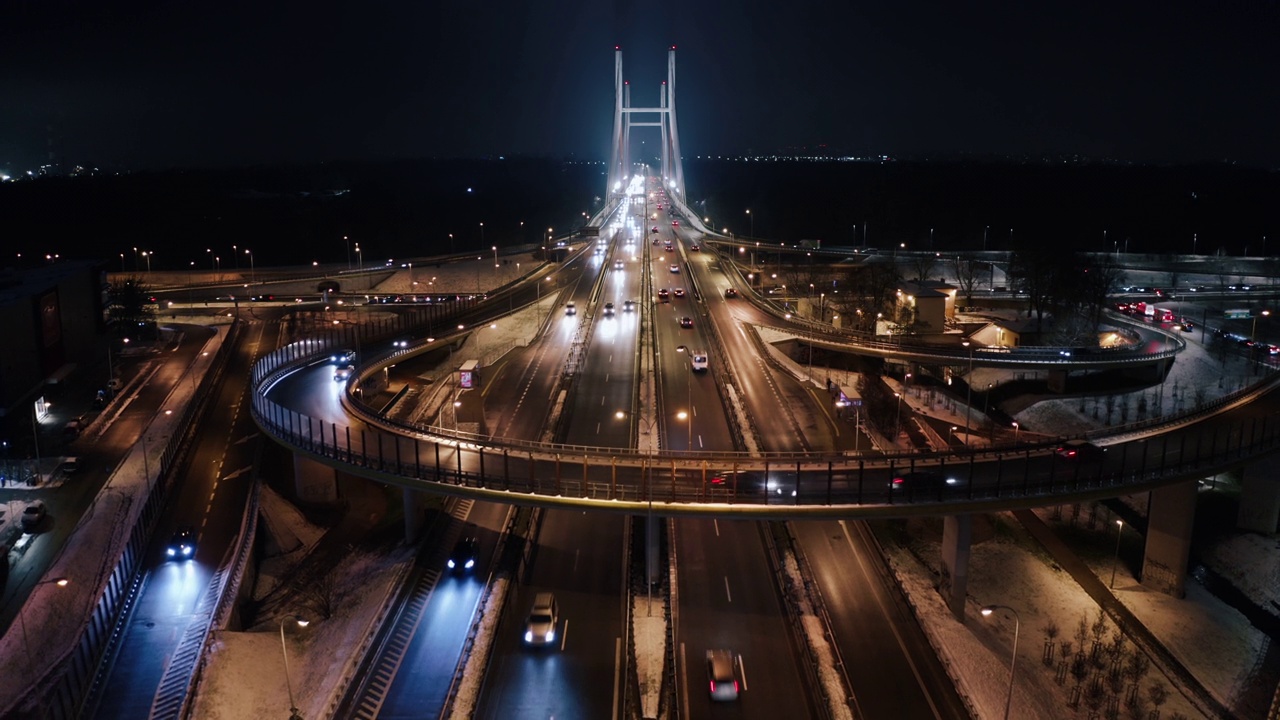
(620, 153)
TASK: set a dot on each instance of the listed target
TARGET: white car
(343, 373)
(699, 360)
(675, 268)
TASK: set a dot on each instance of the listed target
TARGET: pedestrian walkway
(1107, 601)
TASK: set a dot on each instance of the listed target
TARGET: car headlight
(169, 552)
(528, 636)
(450, 563)
(187, 550)
(470, 564)
(551, 635)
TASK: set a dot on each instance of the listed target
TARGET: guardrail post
(613, 478)
(349, 455)
(437, 444)
(457, 455)
(480, 452)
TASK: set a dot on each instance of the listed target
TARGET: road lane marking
(726, 589)
(684, 679)
(742, 669)
(617, 668)
(880, 603)
(716, 523)
(576, 554)
(564, 638)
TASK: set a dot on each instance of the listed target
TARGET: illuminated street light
(1115, 559)
(1017, 623)
(284, 650)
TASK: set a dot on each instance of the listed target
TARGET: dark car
(721, 676)
(1079, 450)
(608, 309)
(922, 480)
(463, 557)
(730, 293)
(629, 306)
(664, 295)
(182, 546)
(679, 292)
(343, 357)
(695, 247)
(686, 322)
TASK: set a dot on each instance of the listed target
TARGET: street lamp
(22, 620)
(1017, 623)
(495, 255)
(284, 650)
(1015, 433)
(1115, 559)
(968, 401)
(752, 218)
(897, 420)
(950, 433)
(252, 272)
(1253, 333)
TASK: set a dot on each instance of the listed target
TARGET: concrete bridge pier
(313, 481)
(415, 504)
(957, 535)
(1259, 501)
(1170, 519)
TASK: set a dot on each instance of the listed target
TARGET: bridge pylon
(620, 170)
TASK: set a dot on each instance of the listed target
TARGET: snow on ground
(465, 276)
(1183, 626)
(245, 673)
(464, 705)
(1003, 571)
(815, 633)
(649, 632)
(1252, 563)
(289, 538)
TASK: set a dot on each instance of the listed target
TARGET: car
(695, 247)
(114, 384)
(182, 546)
(629, 306)
(675, 267)
(721, 675)
(32, 515)
(343, 357)
(463, 557)
(1079, 450)
(70, 466)
(1187, 326)
(675, 223)
(921, 480)
(540, 624)
(659, 206)
(686, 322)
(72, 428)
(699, 360)
(669, 247)
(679, 292)
(664, 295)
(608, 309)
(570, 308)
(618, 265)
(730, 293)
(655, 228)
(342, 374)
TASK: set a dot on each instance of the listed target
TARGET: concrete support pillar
(1259, 501)
(415, 503)
(652, 561)
(957, 534)
(1169, 522)
(313, 481)
(1057, 381)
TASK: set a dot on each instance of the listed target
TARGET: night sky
(148, 84)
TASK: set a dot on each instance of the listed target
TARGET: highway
(210, 498)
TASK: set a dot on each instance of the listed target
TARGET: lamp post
(1013, 661)
(22, 620)
(968, 401)
(481, 234)
(1115, 559)
(897, 420)
(1253, 333)
(950, 434)
(252, 272)
(1015, 433)
(752, 218)
(284, 650)
(347, 241)
(495, 255)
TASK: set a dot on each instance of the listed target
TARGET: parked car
(32, 515)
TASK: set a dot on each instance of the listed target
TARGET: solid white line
(576, 554)
(716, 524)
(742, 669)
(564, 638)
(617, 672)
(880, 603)
(726, 589)
(684, 679)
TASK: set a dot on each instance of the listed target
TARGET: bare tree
(966, 277)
